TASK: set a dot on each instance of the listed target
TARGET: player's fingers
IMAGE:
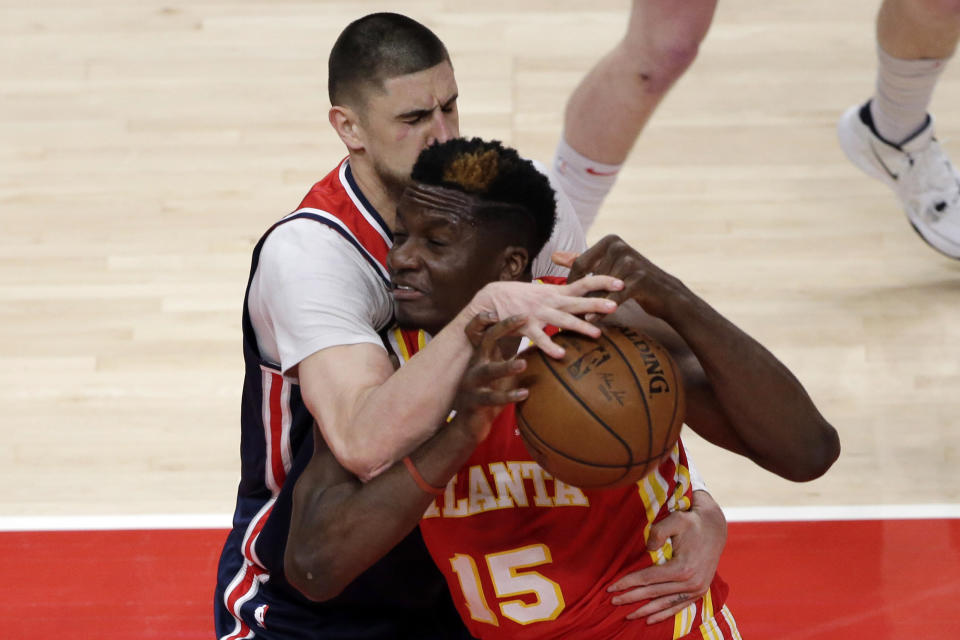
(478, 325)
(649, 591)
(663, 608)
(489, 347)
(571, 311)
(632, 290)
(504, 328)
(659, 533)
(604, 265)
(491, 397)
(673, 572)
(564, 258)
(571, 322)
(486, 373)
(585, 262)
(542, 341)
(585, 285)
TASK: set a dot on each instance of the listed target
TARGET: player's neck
(381, 196)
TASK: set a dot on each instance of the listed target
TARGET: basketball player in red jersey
(527, 556)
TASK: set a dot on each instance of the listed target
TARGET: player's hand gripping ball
(605, 415)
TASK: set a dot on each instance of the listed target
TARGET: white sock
(585, 182)
(904, 90)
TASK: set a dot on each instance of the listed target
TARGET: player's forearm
(766, 406)
(393, 418)
(339, 531)
(389, 416)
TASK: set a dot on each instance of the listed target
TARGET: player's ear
(514, 261)
(346, 122)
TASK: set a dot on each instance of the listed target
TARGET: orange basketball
(606, 414)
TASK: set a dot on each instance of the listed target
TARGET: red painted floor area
(882, 580)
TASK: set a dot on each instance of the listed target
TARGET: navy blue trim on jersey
(348, 173)
(333, 225)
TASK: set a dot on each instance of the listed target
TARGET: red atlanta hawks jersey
(528, 556)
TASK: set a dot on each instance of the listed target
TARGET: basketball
(605, 415)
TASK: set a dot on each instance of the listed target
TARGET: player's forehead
(423, 204)
(420, 90)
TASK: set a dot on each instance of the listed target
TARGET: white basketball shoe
(918, 170)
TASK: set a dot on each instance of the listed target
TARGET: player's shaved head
(376, 48)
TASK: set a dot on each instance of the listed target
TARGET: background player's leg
(611, 105)
(914, 29)
(891, 137)
(915, 38)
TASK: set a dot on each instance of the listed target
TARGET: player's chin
(410, 315)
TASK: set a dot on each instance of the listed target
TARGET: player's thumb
(662, 531)
(564, 258)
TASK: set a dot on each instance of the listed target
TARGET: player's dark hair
(513, 197)
(374, 49)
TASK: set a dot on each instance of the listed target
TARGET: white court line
(95, 523)
(734, 514)
(841, 512)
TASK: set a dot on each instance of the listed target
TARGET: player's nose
(441, 130)
(402, 257)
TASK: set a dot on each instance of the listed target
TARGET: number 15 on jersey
(509, 578)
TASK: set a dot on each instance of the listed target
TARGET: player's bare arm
(370, 416)
(340, 525)
(739, 396)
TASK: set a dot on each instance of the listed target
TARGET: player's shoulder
(303, 249)
(303, 235)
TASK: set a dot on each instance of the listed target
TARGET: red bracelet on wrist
(423, 484)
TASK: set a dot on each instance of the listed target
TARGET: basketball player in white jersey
(314, 305)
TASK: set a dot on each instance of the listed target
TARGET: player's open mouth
(403, 292)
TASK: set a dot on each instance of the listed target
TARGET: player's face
(413, 112)
(440, 257)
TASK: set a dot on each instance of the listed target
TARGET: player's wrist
(678, 305)
(482, 302)
(468, 430)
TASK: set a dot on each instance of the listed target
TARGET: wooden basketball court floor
(144, 146)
